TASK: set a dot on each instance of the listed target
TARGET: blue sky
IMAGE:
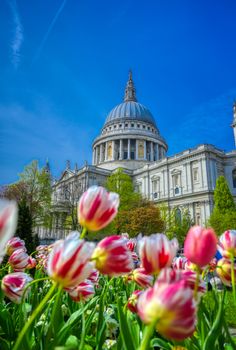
(64, 65)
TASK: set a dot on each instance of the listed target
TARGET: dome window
(148, 127)
(120, 126)
(138, 125)
(110, 128)
(132, 125)
(126, 125)
(144, 126)
(114, 126)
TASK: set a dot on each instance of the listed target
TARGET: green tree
(223, 216)
(223, 199)
(25, 226)
(34, 187)
(121, 183)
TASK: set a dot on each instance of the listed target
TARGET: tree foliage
(33, 187)
(223, 216)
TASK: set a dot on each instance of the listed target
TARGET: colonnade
(127, 149)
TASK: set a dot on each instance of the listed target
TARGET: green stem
(82, 338)
(147, 335)
(233, 277)
(33, 316)
(196, 284)
(83, 234)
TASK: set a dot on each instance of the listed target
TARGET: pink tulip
(97, 208)
(19, 260)
(223, 270)
(13, 244)
(172, 307)
(141, 277)
(156, 252)
(69, 261)
(228, 243)
(131, 244)
(14, 284)
(112, 256)
(200, 245)
(8, 223)
(84, 291)
(133, 301)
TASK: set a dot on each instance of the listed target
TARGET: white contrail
(40, 48)
(18, 34)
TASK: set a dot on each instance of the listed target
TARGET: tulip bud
(112, 256)
(133, 300)
(31, 263)
(13, 285)
(179, 263)
(228, 243)
(19, 260)
(156, 252)
(224, 271)
(131, 243)
(200, 245)
(141, 277)
(8, 223)
(97, 208)
(69, 261)
(84, 291)
(13, 244)
(172, 307)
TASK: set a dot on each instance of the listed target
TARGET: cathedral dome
(130, 110)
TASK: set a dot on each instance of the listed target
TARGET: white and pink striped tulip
(172, 307)
(141, 277)
(157, 252)
(8, 223)
(224, 271)
(133, 301)
(13, 286)
(112, 257)
(69, 261)
(179, 263)
(31, 263)
(13, 244)
(82, 292)
(19, 260)
(97, 208)
(228, 243)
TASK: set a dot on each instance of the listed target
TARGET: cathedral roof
(130, 108)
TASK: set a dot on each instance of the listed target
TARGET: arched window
(178, 216)
(234, 178)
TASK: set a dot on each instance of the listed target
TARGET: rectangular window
(195, 175)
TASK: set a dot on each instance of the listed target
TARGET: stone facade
(131, 139)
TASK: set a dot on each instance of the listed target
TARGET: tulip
(13, 244)
(14, 284)
(135, 258)
(19, 260)
(69, 261)
(228, 243)
(97, 208)
(171, 308)
(133, 300)
(131, 243)
(112, 256)
(84, 291)
(8, 223)
(94, 277)
(156, 252)
(200, 245)
(224, 271)
(141, 277)
(191, 279)
(179, 263)
(31, 263)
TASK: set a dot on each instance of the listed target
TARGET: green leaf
(161, 343)
(124, 328)
(7, 324)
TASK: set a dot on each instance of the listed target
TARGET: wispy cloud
(52, 24)
(18, 34)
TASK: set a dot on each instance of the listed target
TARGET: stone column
(157, 151)
(151, 152)
(128, 157)
(93, 156)
(100, 160)
(105, 151)
(136, 149)
(145, 150)
(121, 150)
(113, 150)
